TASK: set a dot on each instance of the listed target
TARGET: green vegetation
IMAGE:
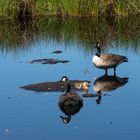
(9, 8)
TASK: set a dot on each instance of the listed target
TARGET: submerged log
(53, 86)
(57, 51)
(90, 95)
(48, 61)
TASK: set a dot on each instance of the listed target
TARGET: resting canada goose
(77, 83)
(70, 103)
(107, 61)
(69, 96)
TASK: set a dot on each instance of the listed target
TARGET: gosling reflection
(69, 103)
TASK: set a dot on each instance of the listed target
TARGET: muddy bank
(54, 86)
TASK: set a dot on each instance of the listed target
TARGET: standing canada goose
(107, 61)
(70, 103)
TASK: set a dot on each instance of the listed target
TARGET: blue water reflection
(36, 115)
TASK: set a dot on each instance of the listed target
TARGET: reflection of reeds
(9, 8)
(83, 31)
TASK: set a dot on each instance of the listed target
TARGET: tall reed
(87, 7)
(9, 8)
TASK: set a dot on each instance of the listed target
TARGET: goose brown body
(107, 61)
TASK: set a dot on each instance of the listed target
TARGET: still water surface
(27, 115)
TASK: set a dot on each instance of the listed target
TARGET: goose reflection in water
(69, 108)
(69, 103)
(108, 83)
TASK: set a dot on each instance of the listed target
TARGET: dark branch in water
(48, 61)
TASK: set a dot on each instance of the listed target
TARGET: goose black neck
(98, 51)
(68, 88)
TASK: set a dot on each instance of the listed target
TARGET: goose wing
(113, 59)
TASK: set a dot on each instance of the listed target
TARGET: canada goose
(82, 85)
(108, 83)
(70, 103)
(57, 85)
(107, 61)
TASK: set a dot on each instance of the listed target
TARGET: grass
(9, 8)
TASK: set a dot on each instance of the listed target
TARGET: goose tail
(123, 80)
(125, 59)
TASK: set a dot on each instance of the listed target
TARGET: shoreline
(68, 8)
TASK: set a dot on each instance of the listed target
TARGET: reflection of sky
(29, 115)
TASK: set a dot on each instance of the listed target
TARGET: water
(36, 115)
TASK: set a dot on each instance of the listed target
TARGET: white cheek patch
(63, 79)
(95, 59)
